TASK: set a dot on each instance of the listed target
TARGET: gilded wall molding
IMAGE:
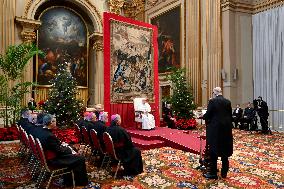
(32, 5)
(268, 4)
(251, 8)
(28, 33)
(128, 8)
(237, 6)
(115, 6)
(96, 41)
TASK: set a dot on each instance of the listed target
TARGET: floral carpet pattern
(257, 162)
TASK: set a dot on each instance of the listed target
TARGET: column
(96, 73)
(28, 35)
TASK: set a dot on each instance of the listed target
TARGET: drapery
(268, 63)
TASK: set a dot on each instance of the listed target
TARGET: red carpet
(184, 140)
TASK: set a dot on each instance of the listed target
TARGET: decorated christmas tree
(182, 99)
(62, 98)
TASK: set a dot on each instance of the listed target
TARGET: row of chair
(92, 141)
(31, 149)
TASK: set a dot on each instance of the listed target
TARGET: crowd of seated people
(129, 155)
(247, 119)
(244, 120)
(57, 153)
(61, 154)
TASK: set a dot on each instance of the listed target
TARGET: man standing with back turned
(219, 133)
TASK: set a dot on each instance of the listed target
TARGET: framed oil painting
(169, 38)
(63, 37)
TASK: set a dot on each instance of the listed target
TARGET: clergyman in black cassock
(59, 155)
(219, 133)
(129, 155)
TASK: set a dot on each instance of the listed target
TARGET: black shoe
(210, 176)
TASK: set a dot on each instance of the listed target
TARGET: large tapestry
(130, 66)
(168, 24)
(63, 37)
(132, 62)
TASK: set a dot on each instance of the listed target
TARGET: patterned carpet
(257, 162)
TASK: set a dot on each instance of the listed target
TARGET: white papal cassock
(148, 121)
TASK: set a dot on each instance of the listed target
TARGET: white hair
(103, 116)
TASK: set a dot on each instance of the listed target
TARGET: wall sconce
(235, 74)
(223, 74)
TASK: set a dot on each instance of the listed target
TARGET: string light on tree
(62, 101)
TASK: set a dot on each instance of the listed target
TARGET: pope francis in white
(148, 121)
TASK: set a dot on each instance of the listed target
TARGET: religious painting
(131, 57)
(168, 24)
(63, 37)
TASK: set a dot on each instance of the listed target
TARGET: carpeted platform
(162, 136)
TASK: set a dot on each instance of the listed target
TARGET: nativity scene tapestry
(130, 66)
(131, 62)
(63, 38)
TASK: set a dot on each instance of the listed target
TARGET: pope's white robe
(148, 121)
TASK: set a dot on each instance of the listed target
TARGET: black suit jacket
(25, 124)
(249, 113)
(239, 114)
(219, 129)
(32, 105)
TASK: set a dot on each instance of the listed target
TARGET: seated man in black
(26, 120)
(32, 104)
(60, 155)
(237, 115)
(249, 115)
(169, 117)
(129, 155)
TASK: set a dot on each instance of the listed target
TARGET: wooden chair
(54, 172)
(109, 148)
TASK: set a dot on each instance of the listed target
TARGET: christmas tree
(62, 98)
(182, 99)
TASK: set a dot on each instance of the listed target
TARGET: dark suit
(262, 111)
(129, 155)
(61, 156)
(32, 105)
(26, 124)
(237, 115)
(249, 115)
(219, 132)
(168, 114)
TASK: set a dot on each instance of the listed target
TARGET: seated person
(169, 117)
(60, 155)
(32, 104)
(99, 126)
(248, 117)
(237, 115)
(26, 120)
(148, 121)
(98, 110)
(129, 155)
